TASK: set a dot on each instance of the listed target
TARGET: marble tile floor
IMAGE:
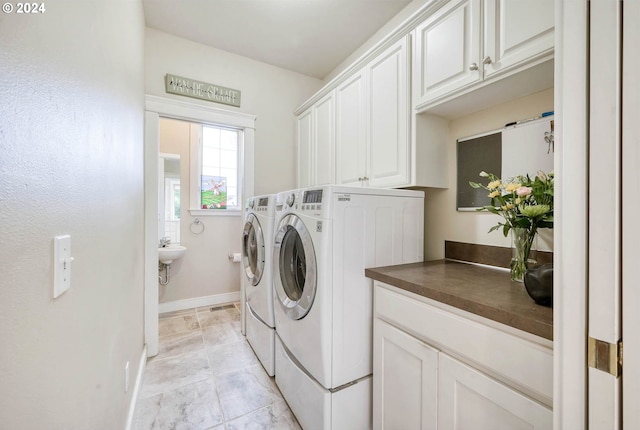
(206, 376)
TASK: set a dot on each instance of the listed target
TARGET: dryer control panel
(312, 201)
(312, 196)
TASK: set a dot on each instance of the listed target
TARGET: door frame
(161, 107)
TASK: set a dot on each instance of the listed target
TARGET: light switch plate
(61, 264)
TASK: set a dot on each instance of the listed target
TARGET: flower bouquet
(525, 204)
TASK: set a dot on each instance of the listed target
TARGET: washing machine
(324, 239)
(257, 237)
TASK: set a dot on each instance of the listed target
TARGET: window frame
(157, 107)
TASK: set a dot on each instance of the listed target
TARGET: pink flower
(523, 191)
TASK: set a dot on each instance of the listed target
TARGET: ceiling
(311, 37)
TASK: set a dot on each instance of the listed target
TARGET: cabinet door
(351, 139)
(469, 399)
(405, 380)
(304, 131)
(516, 32)
(447, 51)
(388, 118)
(323, 154)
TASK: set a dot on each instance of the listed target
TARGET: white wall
(269, 92)
(442, 220)
(71, 134)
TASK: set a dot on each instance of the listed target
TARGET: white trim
(156, 107)
(198, 302)
(188, 111)
(151, 226)
(136, 388)
(570, 228)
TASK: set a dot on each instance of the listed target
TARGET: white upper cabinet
(372, 122)
(467, 42)
(516, 31)
(447, 50)
(351, 136)
(304, 137)
(324, 141)
(316, 143)
(388, 118)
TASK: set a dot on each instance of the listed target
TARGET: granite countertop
(477, 289)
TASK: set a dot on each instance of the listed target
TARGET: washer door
(295, 261)
(253, 249)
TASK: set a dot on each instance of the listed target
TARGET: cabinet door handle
(486, 60)
(473, 67)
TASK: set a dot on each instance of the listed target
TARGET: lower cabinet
(418, 385)
(405, 377)
(469, 399)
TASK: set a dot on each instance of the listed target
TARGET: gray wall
(71, 139)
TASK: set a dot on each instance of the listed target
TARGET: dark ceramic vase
(539, 284)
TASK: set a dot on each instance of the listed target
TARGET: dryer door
(294, 259)
(253, 249)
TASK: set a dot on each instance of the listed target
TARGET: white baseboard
(136, 388)
(198, 302)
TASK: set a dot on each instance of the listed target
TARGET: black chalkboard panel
(475, 155)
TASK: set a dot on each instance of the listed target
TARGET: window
(219, 177)
(216, 177)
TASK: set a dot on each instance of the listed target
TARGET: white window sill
(215, 212)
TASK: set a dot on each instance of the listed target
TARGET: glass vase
(523, 252)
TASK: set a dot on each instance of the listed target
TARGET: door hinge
(605, 356)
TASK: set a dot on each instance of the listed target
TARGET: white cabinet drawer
(519, 359)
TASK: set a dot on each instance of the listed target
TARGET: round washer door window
(294, 259)
(253, 249)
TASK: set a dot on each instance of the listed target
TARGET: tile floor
(206, 376)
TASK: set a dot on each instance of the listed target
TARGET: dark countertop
(477, 289)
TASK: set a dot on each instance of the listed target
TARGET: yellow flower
(495, 193)
(518, 200)
(512, 186)
(507, 207)
(494, 184)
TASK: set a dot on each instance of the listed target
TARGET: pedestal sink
(167, 254)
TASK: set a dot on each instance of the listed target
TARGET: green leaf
(494, 228)
(505, 230)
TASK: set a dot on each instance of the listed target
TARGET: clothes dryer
(324, 239)
(257, 237)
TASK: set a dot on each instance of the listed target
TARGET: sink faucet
(165, 241)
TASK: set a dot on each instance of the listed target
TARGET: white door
(605, 205)
(388, 118)
(447, 51)
(351, 139)
(324, 141)
(304, 137)
(405, 383)
(515, 32)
